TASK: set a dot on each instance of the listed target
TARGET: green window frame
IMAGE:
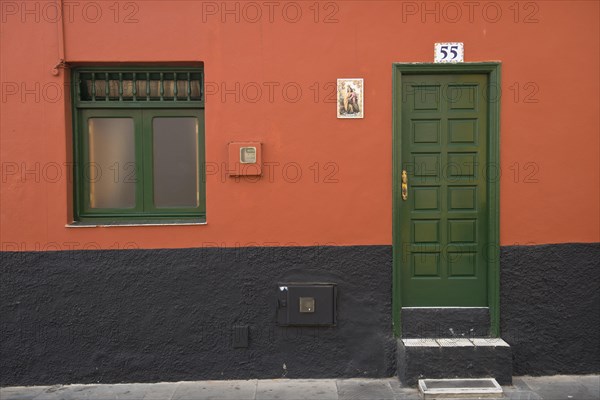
(146, 125)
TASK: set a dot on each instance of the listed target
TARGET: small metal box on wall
(245, 159)
(306, 304)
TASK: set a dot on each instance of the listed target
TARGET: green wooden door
(444, 217)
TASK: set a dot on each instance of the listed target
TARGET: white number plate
(449, 52)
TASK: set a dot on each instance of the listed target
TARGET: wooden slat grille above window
(140, 86)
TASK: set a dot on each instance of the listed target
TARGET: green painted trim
(139, 216)
(396, 175)
(494, 200)
(76, 148)
(141, 222)
(492, 69)
(143, 68)
(164, 103)
(136, 110)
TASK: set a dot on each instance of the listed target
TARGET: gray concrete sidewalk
(576, 387)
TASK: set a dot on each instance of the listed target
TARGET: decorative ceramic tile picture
(350, 98)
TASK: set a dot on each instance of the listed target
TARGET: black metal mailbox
(306, 304)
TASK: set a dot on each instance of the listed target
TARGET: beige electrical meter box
(248, 155)
(245, 159)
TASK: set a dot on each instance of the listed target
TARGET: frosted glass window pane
(175, 143)
(111, 171)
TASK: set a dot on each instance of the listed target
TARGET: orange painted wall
(556, 137)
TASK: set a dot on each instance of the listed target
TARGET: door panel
(443, 222)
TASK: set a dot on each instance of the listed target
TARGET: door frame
(492, 70)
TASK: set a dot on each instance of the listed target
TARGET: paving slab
(564, 387)
(455, 342)
(514, 393)
(21, 392)
(296, 389)
(403, 392)
(215, 390)
(420, 342)
(519, 383)
(494, 342)
(108, 392)
(358, 389)
(159, 391)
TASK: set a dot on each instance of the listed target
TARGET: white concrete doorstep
(459, 388)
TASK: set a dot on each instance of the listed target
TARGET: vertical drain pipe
(60, 28)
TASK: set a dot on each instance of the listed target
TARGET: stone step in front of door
(459, 388)
(448, 358)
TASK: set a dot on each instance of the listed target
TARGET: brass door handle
(404, 185)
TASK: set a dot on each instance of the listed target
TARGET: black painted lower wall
(550, 308)
(166, 315)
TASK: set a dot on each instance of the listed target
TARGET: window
(139, 145)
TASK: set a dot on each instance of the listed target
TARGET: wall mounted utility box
(245, 159)
(306, 304)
